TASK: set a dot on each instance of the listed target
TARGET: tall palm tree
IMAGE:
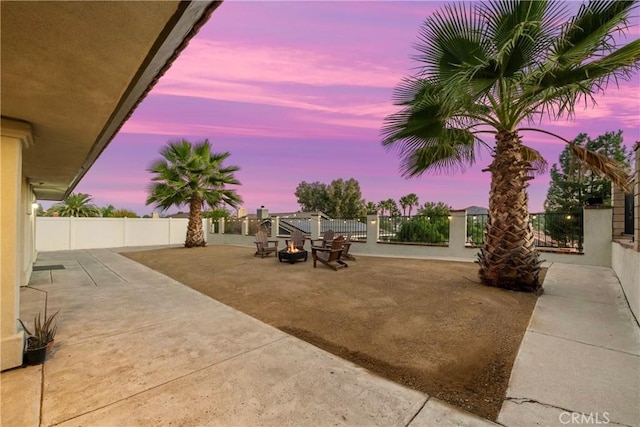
(490, 68)
(410, 200)
(76, 204)
(190, 174)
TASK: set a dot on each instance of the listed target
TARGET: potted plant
(41, 339)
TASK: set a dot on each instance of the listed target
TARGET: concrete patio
(135, 347)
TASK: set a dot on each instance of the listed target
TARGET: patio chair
(345, 249)
(298, 239)
(330, 256)
(263, 245)
(327, 238)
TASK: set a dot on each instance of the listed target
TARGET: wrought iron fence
(475, 228)
(561, 231)
(233, 226)
(431, 229)
(356, 227)
(552, 231)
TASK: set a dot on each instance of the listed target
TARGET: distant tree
(217, 213)
(435, 209)
(107, 211)
(371, 208)
(431, 225)
(76, 204)
(345, 199)
(388, 205)
(572, 184)
(408, 201)
(312, 197)
(339, 199)
(190, 174)
(124, 213)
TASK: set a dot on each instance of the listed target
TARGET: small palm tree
(107, 211)
(75, 204)
(190, 174)
(489, 68)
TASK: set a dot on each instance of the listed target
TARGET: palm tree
(371, 208)
(408, 201)
(190, 174)
(107, 211)
(75, 204)
(489, 68)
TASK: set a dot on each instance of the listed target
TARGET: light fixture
(449, 217)
(534, 216)
(35, 205)
(568, 216)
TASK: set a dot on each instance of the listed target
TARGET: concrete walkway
(137, 348)
(579, 361)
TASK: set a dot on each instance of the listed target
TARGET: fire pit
(292, 254)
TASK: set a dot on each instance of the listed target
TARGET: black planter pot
(36, 356)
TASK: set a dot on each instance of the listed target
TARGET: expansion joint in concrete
(418, 411)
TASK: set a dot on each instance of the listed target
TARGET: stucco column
(244, 227)
(221, 226)
(314, 227)
(275, 226)
(597, 226)
(14, 138)
(458, 229)
(373, 229)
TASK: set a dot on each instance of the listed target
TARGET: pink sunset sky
(297, 91)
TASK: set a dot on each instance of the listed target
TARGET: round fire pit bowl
(292, 257)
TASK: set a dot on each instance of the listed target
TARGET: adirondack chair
(345, 249)
(297, 238)
(263, 245)
(327, 238)
(330, 256)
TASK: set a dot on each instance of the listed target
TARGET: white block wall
(55, 234)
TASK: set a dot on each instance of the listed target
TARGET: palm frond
(590, 30)
(534, 157)
(603, 166)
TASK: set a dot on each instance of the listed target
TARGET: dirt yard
(426, 324)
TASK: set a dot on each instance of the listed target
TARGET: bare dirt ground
(426, 324)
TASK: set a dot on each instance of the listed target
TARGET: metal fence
(552, 231)
(233, 226)
(432, 229)
(560, 231)
(357, 227)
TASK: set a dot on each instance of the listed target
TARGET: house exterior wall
(16, 236)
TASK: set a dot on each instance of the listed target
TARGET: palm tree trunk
(195, 234)
(508, 258)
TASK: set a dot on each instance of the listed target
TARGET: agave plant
(43, 332)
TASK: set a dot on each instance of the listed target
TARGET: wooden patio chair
(327, 238)
(345, 249)
(330, 256)
(298, 239)
(263, 245)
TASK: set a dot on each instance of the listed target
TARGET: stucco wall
(55, 234)
(626, 263)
